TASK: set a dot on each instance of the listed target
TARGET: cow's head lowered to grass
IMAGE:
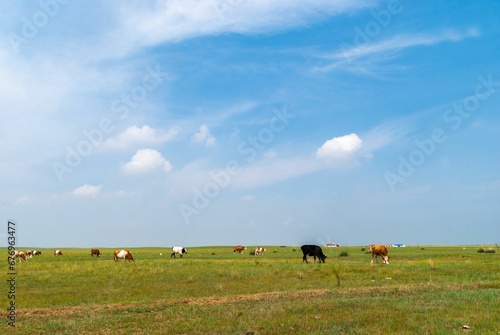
(123, 254)
(379, 250)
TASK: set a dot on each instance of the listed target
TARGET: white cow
(178, 250)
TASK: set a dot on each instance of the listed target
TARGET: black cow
(312, 250)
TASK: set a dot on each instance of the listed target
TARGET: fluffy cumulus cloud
(340, 147)
(204, 136)
(87, 191)
(138, 136)
(146, 160)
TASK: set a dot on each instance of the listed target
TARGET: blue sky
(222, 122)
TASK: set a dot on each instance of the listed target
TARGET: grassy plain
(424, 290)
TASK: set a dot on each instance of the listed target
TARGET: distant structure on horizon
(332, 245)
(399, 245)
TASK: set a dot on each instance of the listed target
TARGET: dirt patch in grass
(267, 296)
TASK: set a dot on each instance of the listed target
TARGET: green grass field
(424, 290)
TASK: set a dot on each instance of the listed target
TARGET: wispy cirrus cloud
(175, 20)
(359, 58)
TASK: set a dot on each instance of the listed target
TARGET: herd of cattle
(311, 250)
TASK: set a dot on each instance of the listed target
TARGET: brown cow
(123, 254)
(20, 255)
(95, 252)
(239, 248)
(29, 253)
(379, 250)
(58, 253)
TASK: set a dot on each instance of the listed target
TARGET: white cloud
(87, 191)
(135, 136)
(146, 160)
(204, 136)
(340, 147)
(175, 20)
(362, 58)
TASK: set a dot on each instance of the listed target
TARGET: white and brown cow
(29, 253)
(58, 253)
(178, 250)
(379, 250)
(259, 250)
(123, 254)
(20, 255)
(36, 253)
(95, 252)
(239, 249)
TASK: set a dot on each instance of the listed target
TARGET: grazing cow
(178, 250)
(123, 254)
(379, 250)
(20, 255)
(36, 253)
(58, 253)
(312, 250)
(95, 252)
(259, 250)
(239, 249)
(29, 253)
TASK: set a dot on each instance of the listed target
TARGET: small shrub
(490, 251)
(481, 250)
(363, 249)
(343, 254)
